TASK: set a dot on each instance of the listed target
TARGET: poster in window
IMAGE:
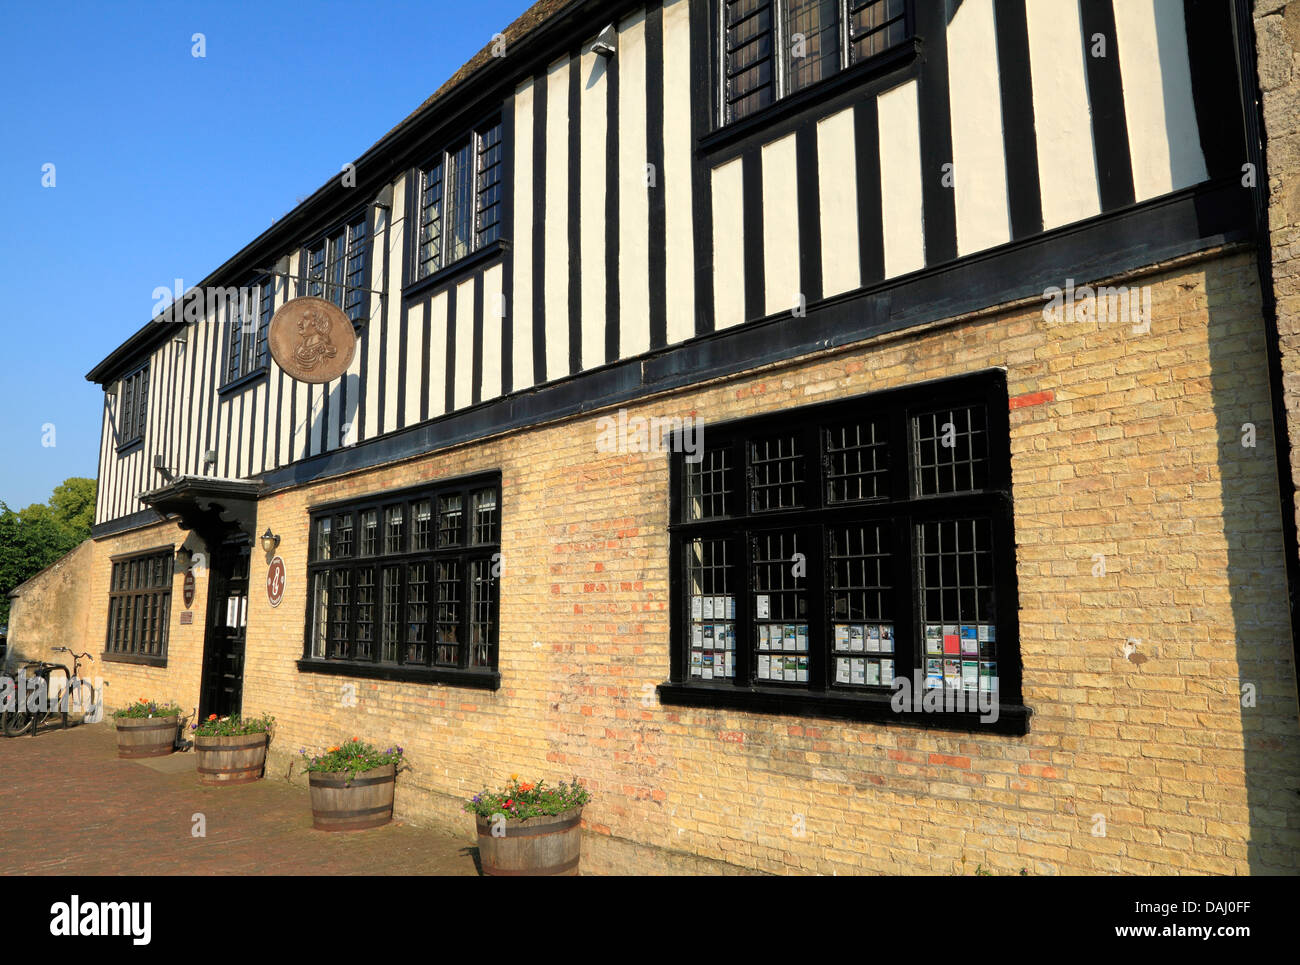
(988, 676)
(708, 608)
(842, 670)
(933, 639)
(855, 638)
(871, 634)
(952, 673)
(697, 608)
(873, 673)
(232, 611)
(763, 607)
(886, 638)
(841, 637)
(887, 673)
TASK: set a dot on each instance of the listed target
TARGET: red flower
(510, 803)
(212, 716)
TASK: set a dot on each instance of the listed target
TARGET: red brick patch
(950, 760)
(1032, 398)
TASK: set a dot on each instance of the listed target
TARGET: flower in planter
(529, 799)
(234, 726)
(144, 707)
(353, 756)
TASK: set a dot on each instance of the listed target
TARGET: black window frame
(139, 606)
(897, 509)
(476, 565)
(345, 266)
(133, 407)
(847, 37)
(485, 142)
(248, 354)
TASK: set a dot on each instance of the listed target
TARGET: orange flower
(332, 750)
(212, 716)
(514, 777)
(526, 787)
(354, 739)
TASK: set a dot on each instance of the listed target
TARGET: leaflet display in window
(961, 656)
(782, 652)
(713, 637)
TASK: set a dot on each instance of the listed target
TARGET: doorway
(221, 690)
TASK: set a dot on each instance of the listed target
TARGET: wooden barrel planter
(340, 802)
(549, 845)
(146, 736)
(238, 759)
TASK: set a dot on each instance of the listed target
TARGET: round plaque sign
(188, 589)
(275, 582)
(312, 340)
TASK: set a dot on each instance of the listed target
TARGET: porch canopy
(211, 507)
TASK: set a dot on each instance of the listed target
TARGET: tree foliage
(33, 538)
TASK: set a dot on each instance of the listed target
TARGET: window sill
(460, 266)
(244, 380)
(1013, 719)
(133, 658)
(843, 80)
(474, 679)
(125, 447)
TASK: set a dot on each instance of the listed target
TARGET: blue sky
(166, 164)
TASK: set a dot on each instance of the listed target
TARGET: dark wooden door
(223, 651)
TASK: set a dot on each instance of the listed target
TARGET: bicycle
(21, 717)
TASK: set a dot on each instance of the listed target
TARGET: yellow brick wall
(1137, 455)
(87, 628)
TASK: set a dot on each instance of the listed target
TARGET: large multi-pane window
(824, 552)
(460, 199)
(335, 268)
(139, 606)
(407, 581)
(133, 406)
(772, 48)
(250, 318)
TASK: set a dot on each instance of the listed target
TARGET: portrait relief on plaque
(312, 339)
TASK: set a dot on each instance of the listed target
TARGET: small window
(133, 406)
(400, 587)
(773, 48)
(710, 485)
(459, 203)
(335, 268)
(249, 318)
(950, 450)
(856, 461)
(139, 607)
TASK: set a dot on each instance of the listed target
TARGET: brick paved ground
(69, 806)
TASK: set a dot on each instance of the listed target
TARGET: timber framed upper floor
(581, 216)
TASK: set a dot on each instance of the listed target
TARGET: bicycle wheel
(15, 723)
(81, 705)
